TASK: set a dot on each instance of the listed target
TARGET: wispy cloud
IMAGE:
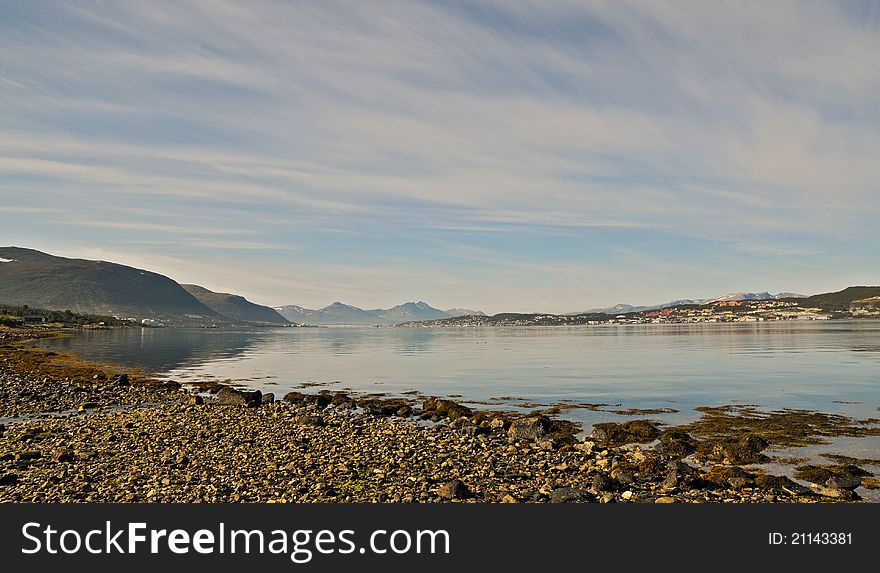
(361, 134)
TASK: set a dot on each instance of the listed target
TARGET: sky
(531, 156)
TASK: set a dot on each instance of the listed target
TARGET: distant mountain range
(39, 280)
(344, 314)
(625, 308)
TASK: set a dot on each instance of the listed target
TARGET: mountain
(409, 311)
(339, 313)
(234, 306)
(57, 283)
(456, 312)
(626, 308)
(837, 301)
(336, 313)
(298, 314)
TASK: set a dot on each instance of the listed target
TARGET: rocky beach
(72, 431)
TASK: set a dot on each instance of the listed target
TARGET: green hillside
(45, 281)
(234, 306)
(840, 300)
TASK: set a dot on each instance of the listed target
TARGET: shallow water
(831, 366)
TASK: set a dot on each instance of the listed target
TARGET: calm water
(828, 366)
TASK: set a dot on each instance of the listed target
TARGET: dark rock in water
(405, 411)
(612, 434)
(267, 398)
(319, 400)
(455, 489)
(445, 408)
(121, 380)
(342, 400)
(570, 495)
(231, 397)
(676, 443)
(295, 397)
(531, 428)
(377, 407)
(601, 483)
(316, 421)
(195, 400)
(844, 482)
(8, 479)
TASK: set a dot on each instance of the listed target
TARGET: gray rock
(267, 398)
(531, 428)
(678, 474)
(844, 482)
(232, 397)
(570, 495)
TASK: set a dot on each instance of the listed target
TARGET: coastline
(116, 435)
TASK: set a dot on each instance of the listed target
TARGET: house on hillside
(33, 318)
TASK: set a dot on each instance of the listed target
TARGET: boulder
(232, 397)
(267, 398)
(530, 428)
(342, 400)
(384, 408)
(445, 408)
(319, 400)
(676, 443)
(844, 482)
(612, 434)
(120, 380)
(678, 474)
(736, 451)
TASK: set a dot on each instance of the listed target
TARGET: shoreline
(126, 437)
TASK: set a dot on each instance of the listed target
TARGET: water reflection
(158, 350)
(796, 365)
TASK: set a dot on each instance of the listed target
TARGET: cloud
(739, 124)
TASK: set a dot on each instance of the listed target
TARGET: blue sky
(510, 156)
